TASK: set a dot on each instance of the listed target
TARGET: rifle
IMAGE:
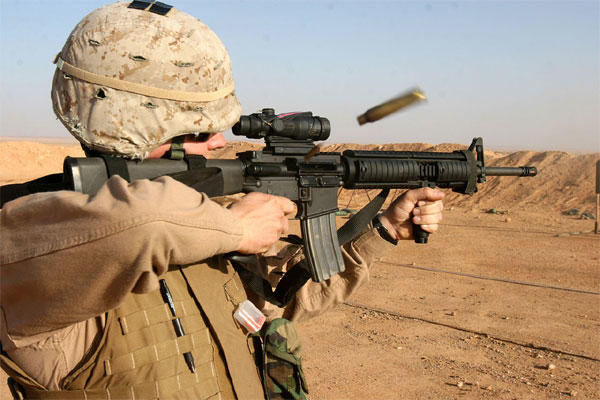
(290, 165)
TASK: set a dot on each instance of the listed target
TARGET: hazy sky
(524, 75)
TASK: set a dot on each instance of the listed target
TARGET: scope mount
(285, 145)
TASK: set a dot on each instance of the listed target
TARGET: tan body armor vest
(140, 356)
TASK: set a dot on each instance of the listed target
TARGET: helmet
(133, 75)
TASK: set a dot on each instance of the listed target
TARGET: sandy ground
(496, 306)
(418, 330)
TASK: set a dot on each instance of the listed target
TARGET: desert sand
(501, 305)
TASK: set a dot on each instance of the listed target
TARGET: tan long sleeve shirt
(67, 258)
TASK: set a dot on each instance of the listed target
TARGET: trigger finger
(287, 206)
(285, 225)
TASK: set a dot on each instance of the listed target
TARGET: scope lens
(250, 126)
(321, 129)
(241, 126)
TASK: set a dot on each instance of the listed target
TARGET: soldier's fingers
(431, 228)
(427, 194)
(285, 225)
(287, 206)
(427, 219)
(429, 208)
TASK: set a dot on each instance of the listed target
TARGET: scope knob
(268, 111)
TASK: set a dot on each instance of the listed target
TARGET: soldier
(123, 294)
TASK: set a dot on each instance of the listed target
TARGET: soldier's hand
(264, 218)
(421, 206)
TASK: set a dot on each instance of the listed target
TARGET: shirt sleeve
(313, 298)
(67, 257)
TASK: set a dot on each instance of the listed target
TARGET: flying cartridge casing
(391, 106)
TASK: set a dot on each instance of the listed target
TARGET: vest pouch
(281, 368)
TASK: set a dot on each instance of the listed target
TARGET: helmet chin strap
(177, 150)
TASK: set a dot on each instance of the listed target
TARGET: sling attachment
(116, 166)
(287, 287)
(203, 179)
(195, 161)
(362, 218)
(292, 239)
(299, 274)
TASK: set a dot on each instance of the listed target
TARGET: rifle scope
(296, 125)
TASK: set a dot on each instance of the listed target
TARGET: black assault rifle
(291, 166)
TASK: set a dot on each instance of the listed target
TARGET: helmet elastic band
(139, 88)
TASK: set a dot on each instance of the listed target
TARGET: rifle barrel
(511, 171)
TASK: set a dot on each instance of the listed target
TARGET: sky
(524, 75)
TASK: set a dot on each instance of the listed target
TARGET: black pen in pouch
(167, 298)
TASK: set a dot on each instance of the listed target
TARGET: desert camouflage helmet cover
(128, 80)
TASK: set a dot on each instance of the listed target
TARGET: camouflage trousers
(280, 362)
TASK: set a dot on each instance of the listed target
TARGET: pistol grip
(321, 246)
(419, 234)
